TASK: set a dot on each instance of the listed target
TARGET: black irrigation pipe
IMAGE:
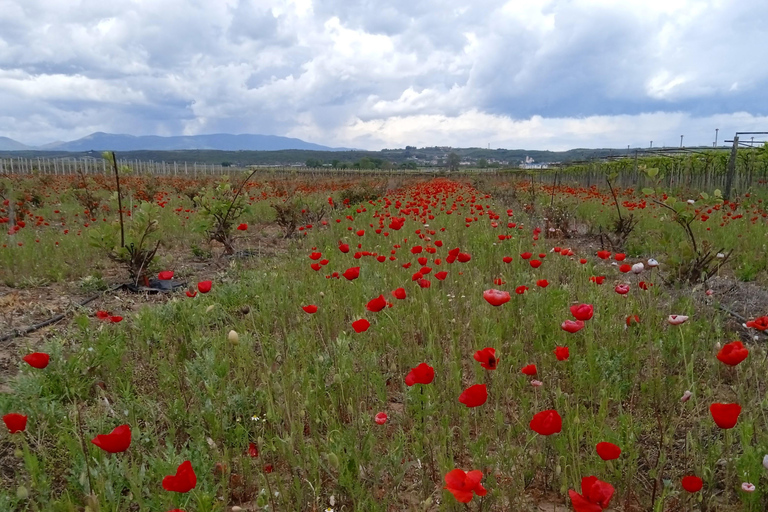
(54, 319)
(732, 313)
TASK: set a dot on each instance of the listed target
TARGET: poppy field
(493, 343)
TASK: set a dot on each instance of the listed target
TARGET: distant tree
(226, 164)
(335, 163)
(482, 163)
(453, 161)
(365, 163)
(313, 162)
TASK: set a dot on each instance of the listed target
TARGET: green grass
(315, 385)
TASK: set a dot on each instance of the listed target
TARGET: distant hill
(100, 141)
(7, 144)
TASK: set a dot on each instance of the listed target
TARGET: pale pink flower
(536, 383)
(748, 487)
(686, 396)
(677, 319)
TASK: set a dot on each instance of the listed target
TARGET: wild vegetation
(498, 341)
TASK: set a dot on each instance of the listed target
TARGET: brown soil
(21, 308)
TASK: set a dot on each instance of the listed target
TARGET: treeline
(365, 163)
(430, 156)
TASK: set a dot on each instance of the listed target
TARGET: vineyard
(585, 338)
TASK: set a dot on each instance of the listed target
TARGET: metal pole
(731, 167)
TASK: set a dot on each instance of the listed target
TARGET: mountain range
(100, 141)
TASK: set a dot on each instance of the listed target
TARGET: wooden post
(731, 168)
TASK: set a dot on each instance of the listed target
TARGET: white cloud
(543, 73)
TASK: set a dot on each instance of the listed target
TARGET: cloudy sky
(537, 74)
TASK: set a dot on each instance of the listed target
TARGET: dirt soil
(24, 307)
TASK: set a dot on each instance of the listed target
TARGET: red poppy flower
(102, 315)
(37, 360)
(441, 275)
(191, 293)
(377, 304)
(204, 286)
(571, 326)
(632, 320)
(498, 281)
(692, 483)
(529, 370)
(416, 249)
(421, 374)
(608, 451)
(487, 358)
(15, 422)
(380, 418)
(625, 268)
(422, 260)
(725, 415)
(452, 255)
(425, 283)
(253, 450)
(603, 255)
(583, 261)
(760, 323)
(352, 273)
(597, 279)
(165, 275)
(622, 289)
(535, 263)
(464, 257)
(562, 353)
(619, 256)
(595, 495)
(582, 312)
(242, 227)
(399, 293)
(316, 266)
(116, 441)
(643, 285)
(344, 248)
(547, 423)
(526, 255)
(462, 484)
(507, 259)
(474, 396)
(115, 319)
(268, 468)
(360, 232)
(496, 297)
(315, 256)
(733, 353)
(310, 308)
(542, 283)
(521, 289)
(183, 481)
(361, 325)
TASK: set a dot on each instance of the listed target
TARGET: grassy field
(276, 403)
